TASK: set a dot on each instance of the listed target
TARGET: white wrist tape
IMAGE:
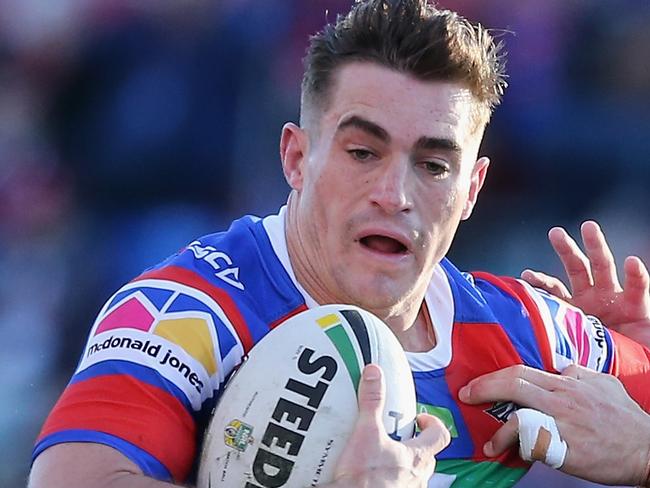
(539, 438)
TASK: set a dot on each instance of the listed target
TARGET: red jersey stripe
(136, 414)
(633, 369)
(517, 290)
(295, 311)
(490, 349)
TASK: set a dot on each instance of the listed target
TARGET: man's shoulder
(217, 260)
(480, 296)
(503, 307)
(480, 290)
(235, 273)
(547, 332)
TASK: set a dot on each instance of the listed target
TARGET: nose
(390, 187)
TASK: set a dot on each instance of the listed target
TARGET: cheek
(456, 200)
(334, 193)
(444, 204)
(441, 216)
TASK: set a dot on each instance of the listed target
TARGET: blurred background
(127, 128)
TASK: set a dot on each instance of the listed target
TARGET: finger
(502, 385)
(504, 438)
(434, 435)
(573, 259)
(603, 267)
(518, 391)
(578, 372)
(372, 395)
(551, 284)
(539, 438)
(637, 285)
(590, 380)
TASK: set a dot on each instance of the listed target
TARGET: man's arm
(594, 283)
(371, 458)
(607, 433)
(89, 465)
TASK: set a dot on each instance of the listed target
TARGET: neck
(411, 325)
(306, 261)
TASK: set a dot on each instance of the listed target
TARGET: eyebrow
(375, 130)
(433, 143)
(364, 125)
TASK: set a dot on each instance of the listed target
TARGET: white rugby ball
(285, 415)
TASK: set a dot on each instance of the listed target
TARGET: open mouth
(383, 244)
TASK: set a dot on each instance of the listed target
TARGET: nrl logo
(237, 435)
(502, 410)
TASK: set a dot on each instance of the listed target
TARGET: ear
(293, 152)
(476, 183)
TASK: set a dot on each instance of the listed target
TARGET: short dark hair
(410, 36)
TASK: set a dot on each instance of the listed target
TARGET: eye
(361, 154)
(436, 168)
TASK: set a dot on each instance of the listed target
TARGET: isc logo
(220, 261)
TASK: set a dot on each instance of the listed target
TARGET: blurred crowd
(129, 127)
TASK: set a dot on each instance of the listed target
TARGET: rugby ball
(285, 415)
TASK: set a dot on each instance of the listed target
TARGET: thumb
(434, 435)
(546, 282)
(372, 395)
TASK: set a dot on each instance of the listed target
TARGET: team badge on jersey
(167, 327)
(502, 411)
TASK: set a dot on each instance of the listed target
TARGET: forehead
(407, 108)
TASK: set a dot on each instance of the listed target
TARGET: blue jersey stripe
(282, 289)
(562, 344)
(149, 465)
(607, 367)
(266, 292)
(431, 388)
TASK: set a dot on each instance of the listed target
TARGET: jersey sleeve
(155, 360)
(631, 365)
(577, 338)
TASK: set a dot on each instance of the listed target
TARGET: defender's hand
(594, 283)
(607, 433)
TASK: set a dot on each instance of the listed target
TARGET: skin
(391, 159)
(372, 459)
(594, 282)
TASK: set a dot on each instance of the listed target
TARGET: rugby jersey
(163, 346)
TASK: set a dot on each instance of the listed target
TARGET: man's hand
(607, 433)
(372, 459)
(594, 283)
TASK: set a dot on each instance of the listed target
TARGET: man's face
(382, 179)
